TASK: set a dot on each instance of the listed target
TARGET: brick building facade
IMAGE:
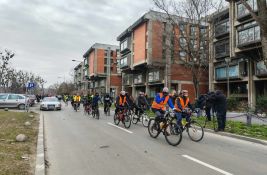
(101, 71)
(148, 65)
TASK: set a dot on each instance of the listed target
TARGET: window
(261, 68)
(123, 62)
(193, 44)
(124, 44)
(193, 30)
(182, 55)
(20, 97)
(12, 97)
(182, 28)
(222, 48)
(3, 97)
(138, 79)
(221, 73)
(182, 42)
(105, 69)
(242, 10)
(153, 76)
(106, 53)
(222, 28)
(248, 33)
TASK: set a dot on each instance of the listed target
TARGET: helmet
(123, 92)
(165, 89)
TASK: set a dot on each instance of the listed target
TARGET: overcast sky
(47, 34)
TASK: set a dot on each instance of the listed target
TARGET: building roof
(154, 15)
(99, 46)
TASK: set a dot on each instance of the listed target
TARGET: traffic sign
(30, 85)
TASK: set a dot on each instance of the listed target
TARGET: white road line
(207, 165)
(120, 128)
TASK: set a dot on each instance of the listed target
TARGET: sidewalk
(238, 116)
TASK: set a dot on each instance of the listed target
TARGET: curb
(250, 139)
(40, 159)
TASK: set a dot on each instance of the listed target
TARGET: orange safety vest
(122, 101)
(161, 105)
(184, 105)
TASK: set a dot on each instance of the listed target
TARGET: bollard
(249, 119)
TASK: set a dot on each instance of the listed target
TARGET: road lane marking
(207, 165)
(120, 128)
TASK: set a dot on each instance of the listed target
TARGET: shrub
(232, 103)
(261, 103)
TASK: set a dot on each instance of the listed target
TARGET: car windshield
(50, 99)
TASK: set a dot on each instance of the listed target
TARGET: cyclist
(77, 99)
(107, 102)
(121, 102)
(141, 103)
(160, 102)
(95, 101)
(180, 104)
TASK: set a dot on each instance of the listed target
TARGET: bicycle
(141, 117)
(95, 112)
(76, 106)
(194, 130)
(87, 109)
(124, 117)
(107, 112)
(171, 131)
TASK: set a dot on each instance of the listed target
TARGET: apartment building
(101, 69)
(147, 64)
(236, 66)
(79, 82)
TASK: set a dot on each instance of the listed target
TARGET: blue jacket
(95, 100)
(158, 100)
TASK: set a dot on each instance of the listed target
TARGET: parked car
(50, 103)
(13, 101)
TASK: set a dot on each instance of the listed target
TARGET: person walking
(220, 108)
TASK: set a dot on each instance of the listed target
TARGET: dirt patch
(17, 157)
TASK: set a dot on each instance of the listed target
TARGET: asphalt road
(79, 145)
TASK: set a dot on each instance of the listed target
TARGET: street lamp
(227, 61)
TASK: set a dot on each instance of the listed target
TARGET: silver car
(50, 103)
(13, 101)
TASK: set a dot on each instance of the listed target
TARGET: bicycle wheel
(108, 112)
(173, 134)
(145, 120)
(93, 113)
(116, 119)
(153, 128)
(97, 114)
(127, 121)
(195, 131)
(135, 119)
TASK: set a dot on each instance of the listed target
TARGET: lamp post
(227, 61)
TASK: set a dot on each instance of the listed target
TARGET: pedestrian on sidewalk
(221, 108)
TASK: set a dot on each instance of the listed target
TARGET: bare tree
(261, 18)
(190, 19)
(5, 71)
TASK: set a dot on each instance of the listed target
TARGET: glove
(174, 109)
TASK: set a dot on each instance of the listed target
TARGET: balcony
(222, 29)
(260, 69)
(221, 73)
(248, 34)
(155, 76)
(221, 49)
(125, 61)
(139, 79)
(127, 79)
